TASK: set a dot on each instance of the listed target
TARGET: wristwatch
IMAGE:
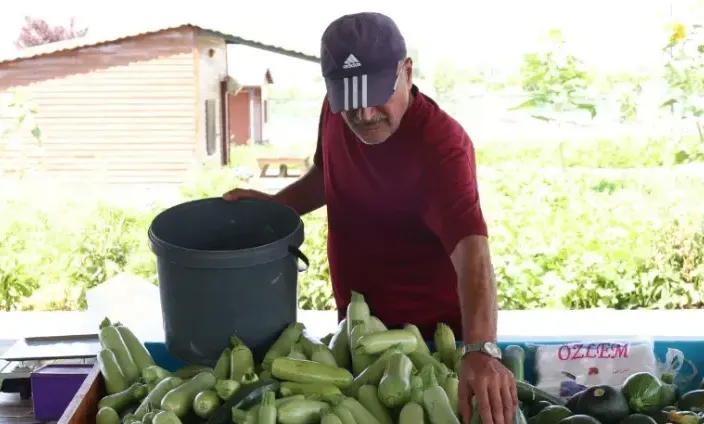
(487, 348)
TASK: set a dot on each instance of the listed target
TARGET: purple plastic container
(53, 387)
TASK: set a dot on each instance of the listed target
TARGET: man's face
(374, 125)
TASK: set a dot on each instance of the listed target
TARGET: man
(405, 227)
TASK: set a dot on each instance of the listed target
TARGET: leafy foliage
(555, 82)
(559, 239)
(36, 32)
(684, 73)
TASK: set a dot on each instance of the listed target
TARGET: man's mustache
(369, 122)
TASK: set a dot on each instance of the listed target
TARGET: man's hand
(240, 193)
(492, 384)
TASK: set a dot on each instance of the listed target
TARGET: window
(210, 128)
(266, 111)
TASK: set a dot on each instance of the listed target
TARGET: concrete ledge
(513, 325)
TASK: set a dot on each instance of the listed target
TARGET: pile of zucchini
(138, 391)
(365, 373)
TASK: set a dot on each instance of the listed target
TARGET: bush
(573, 238)
(600, 153)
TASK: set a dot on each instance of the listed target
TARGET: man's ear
(408, 70)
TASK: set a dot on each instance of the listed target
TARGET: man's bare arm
(476, 288)
(306, 194)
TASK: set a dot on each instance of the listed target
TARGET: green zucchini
(322, 390)
(357, 311)
(222, 366)
(301, 371)
(375, 343)
(154, 374)
(114, 379)
(226, 388)
(328, 417)
(137, 350)
(190, 371)
(421, 346)
(369, 398)
(205, 403)
(180, 400)
(435, 400)
(322, 354)
(376, 325)
(359, 412)
(107, 415)
(360, 360)
(445, 344)
(307, 341)
(153, 399)
(411, 413)
(340, 345)
(301, 411)
(373, 373)
(344, 415)
(451, 386)
(514, 358)
(644, 393)
(120, 401)
(241, 359)
(282, 345)
(297, 352)
(110, 338)
(166, 417)
(149, 417)
(267, 409)
(395, 384)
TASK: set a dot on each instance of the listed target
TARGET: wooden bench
(303, 163)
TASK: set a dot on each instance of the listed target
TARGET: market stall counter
(642, 370)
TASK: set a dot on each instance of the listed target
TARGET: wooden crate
(84, 405)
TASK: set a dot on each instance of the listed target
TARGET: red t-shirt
(396, 211)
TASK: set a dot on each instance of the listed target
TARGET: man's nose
(367, 113)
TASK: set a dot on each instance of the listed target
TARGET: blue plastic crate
(692, 349)
(162, 357)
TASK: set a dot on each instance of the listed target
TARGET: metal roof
(89, 41)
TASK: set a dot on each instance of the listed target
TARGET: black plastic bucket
(226, 268)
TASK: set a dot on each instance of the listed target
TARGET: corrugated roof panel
(89, 40)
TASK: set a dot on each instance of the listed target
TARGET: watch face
(492, 350)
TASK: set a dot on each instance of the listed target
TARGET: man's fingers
(465, 395)
(484, 403)
(507, 400)
(239, 193)
(513, 391)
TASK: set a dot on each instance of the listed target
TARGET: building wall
(121, 112)
(212, 69)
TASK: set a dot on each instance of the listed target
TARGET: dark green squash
(580, 419)
(638, 419)
(603, 402)
(573, 401)
(692, 401)
(552, 414)
(536, 407)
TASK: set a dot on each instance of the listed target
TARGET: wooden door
(239, 111)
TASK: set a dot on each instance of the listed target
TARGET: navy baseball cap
(360, 56)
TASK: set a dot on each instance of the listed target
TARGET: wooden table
(284, 162)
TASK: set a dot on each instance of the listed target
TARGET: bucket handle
(299, 255)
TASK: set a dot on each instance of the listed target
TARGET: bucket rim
(161, 244)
